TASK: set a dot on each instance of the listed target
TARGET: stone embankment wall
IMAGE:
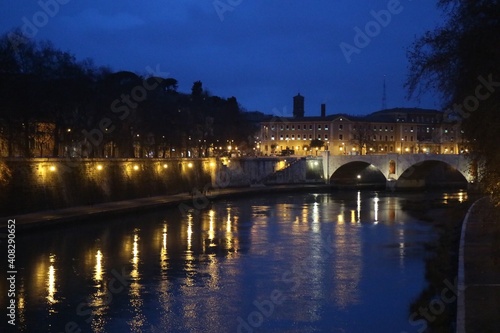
(44, 184)
(28, 185)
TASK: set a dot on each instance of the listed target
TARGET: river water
(338, 262)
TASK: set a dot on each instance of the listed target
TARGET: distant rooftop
(389, 115)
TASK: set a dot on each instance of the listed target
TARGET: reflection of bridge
(393, 166)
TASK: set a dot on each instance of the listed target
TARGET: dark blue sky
(262, 52)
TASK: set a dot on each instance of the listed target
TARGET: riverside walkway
(478, 308)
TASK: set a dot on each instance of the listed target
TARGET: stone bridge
(393, 166)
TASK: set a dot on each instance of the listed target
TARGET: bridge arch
(357, 172)
(434, 172)
(393, 165)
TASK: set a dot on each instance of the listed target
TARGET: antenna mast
(384, 97)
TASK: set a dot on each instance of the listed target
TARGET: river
(317, 262)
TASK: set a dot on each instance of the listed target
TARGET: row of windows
(381, 128)
(300, 127)
(341, 127)
(304, 137)
(341, 137)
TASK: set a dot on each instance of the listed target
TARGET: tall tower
(384, 97)
(298, 106)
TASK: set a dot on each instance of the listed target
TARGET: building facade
(400, 130)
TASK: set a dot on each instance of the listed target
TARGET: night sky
(261, 51)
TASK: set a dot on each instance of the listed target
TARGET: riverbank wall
(30, 185)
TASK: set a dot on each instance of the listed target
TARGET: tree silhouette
(362, 135)
(460, 61)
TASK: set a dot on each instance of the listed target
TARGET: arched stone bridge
(394, 165)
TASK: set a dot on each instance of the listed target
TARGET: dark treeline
(459, 60)
(55, 106)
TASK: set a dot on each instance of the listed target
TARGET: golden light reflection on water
(98, 305)
(189, 266)
(347, 264)
(98, 266)
(211, 228)
(164, 295)
(229, 234)
(315, 217)
(358, 206)
(51, 281)
(164, 252)
(189, 233)
(135, 290)
(375, 208)
(229, 231)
